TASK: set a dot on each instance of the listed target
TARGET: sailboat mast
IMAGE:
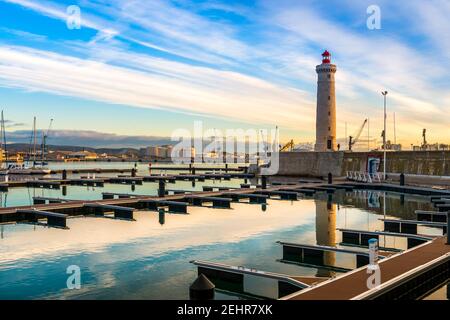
(34, 141)
(43, 148)
(3, 136)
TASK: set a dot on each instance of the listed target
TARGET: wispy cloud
(24, 34)
(13, 124)
(169, 85)
(177, 55)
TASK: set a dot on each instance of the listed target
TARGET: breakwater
(319, 164)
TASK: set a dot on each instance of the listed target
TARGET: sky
(147, 68)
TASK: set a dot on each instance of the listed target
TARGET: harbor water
(149, 258)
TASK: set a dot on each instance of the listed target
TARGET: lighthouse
(326, 105)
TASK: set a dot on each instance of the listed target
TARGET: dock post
(373, 252)
(235, 156)
(190, 168)
(202, 289)
(448, 227)
(64, 190)
(193, 171)
(64, 174)
(162, 217)
(224, 148)
(162, 188)
(330, 178)
(402, 179)
(133, 172)
(264, 182)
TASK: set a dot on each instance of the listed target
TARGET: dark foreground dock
(418, 268)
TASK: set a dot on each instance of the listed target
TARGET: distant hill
(85, 139)
(24, 147)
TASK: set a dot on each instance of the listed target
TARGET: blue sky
(150, 67)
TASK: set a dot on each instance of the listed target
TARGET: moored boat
(20, 168)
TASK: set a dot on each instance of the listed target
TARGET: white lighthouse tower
(326, 105)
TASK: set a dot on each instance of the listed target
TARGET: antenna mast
(395, 134)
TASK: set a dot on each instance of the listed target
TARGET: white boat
(20, 168)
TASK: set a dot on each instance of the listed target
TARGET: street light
(384, 93)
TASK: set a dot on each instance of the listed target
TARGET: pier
(101, 208)
(136, 180)
(44, 200)
(193, 168)
(314, 254)
(410, 226)
(361, 237)
(53, 219)
(435, 216)
(421, 267)
(252, 197)
(217, 202)
(235, 275)
(175, 203)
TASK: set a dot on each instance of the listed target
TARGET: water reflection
(143, 260)
(326, 232)
(162, 217)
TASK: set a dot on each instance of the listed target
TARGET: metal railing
(362, 176)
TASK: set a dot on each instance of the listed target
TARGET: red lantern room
(326, 57)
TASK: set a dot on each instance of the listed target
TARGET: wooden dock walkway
(217, 169)
(91, 170)
(395, 271)
(136, 180)
(235, 274)
(77, 207)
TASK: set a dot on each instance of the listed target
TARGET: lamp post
(384, 93)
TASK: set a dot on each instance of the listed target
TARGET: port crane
(288, 146)
(424, 136)
(44, 142)
(353, 139)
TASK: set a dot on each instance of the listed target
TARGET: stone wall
(318, 164)
(310, 164)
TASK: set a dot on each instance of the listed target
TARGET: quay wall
(319, 164)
